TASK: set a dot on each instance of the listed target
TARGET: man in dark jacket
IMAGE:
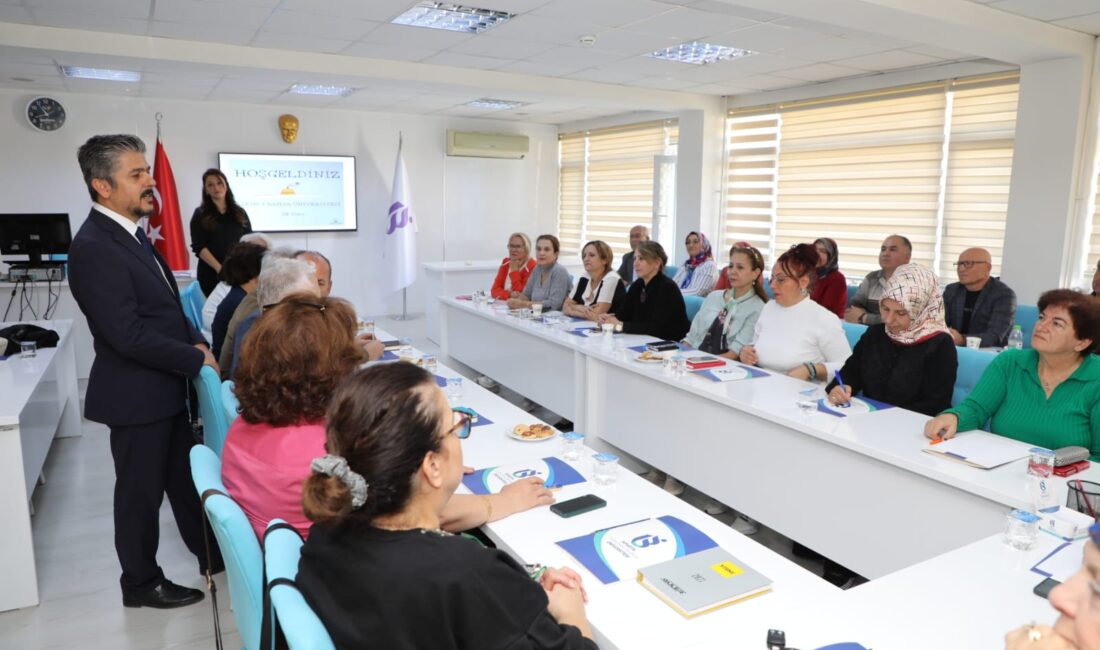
(978, 304)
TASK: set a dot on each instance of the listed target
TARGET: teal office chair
(208, 387)
(237, 540)
(972, 363)
(670, 270)
(854, 332)
(193, 301)
(230, 405)
(300, 625)
(1026, 317)
(692, 303)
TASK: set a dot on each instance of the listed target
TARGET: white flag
(399, 248)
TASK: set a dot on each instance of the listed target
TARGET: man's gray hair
(98, 157)
(259, 239)
(282, 276)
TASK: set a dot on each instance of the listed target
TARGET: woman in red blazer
(831, 289)
(514, 269)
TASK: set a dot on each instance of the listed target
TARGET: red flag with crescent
(164, 227)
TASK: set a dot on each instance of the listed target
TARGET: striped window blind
(930, 162)
(606, 183)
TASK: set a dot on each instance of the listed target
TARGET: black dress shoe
(166, 595)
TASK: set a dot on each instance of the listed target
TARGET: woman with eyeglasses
(830, 287)
(1078, 602)
(653, 304)
(696, 276)
(514, 269)
(1047, 395)
(727, 319)
(602, 290)
(549, 283)
(379, 568)
(794, 334)
(295, 356)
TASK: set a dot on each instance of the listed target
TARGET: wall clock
(45, 113)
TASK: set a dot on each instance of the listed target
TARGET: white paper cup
(974, 342)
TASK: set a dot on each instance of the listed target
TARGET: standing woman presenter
(216, 225)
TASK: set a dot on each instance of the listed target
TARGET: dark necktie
(146, 244)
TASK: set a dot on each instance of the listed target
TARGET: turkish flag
(164, 228)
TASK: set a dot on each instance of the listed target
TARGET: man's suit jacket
(144, 345)
(626, 268)
(994, 311)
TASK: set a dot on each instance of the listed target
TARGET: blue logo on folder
(555, 473)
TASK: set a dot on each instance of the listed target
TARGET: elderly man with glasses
(978, 304)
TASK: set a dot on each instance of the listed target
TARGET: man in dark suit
(145, 352)
(638, 234)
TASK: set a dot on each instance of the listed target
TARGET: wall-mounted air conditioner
(486, 145)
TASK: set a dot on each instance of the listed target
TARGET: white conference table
(842, 486)
(39, 400)
(615, 610)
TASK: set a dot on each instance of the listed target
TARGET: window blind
(931, 162)
(614, 169)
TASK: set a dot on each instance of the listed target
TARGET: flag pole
(404, 291)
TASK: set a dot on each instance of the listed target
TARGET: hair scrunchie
(337, 467)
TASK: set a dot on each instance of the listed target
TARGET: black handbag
(22, 332)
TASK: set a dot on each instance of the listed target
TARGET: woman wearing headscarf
(699, 273)
(831, 289)
(907, 360)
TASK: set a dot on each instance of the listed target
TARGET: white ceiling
(253, 50)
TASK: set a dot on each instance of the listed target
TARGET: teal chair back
(301, 627)
(671, 269)
(230, 405)
(193, 300)
(854, 332)
(208, 386)
(767, 286)
(1026, 317)
(852, 289)
(972, 363)
(239, 547)
(692, 303)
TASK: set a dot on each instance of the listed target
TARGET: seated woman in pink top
(294, 357)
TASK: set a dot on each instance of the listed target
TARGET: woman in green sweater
(1048, 395)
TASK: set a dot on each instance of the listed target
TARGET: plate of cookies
(649, 356)
(532, 432)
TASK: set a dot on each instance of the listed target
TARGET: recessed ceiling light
(102, 74)
(320, 89)
(495, 104)
(697, 53)
(454, 18)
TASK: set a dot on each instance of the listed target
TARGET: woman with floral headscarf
(698, 274)
(907, 360)
(830, 289)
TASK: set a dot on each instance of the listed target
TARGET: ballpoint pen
(840, 382)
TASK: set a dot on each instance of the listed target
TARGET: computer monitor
(35, 235)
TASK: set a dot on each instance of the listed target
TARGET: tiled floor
(81, 606)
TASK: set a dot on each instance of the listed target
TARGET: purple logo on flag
(399, 217)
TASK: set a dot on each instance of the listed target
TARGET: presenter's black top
(406, 590)
(228, 231)
(919, 377)
(144, 345)
(656, 309)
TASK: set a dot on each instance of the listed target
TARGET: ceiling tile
(175, 91)
(606, 76)
(15, 14)
(647, 66)
(814, 26)
(211, 33)
(202, 81)
(511, 6)
(434, 102)
(939, 52)
(36, 86)
(820, 72)
(93, 22)
(721, 90)
(300, 43)
(609, 13)
(766, 37)
(662, 83)
(583, 56)
(888, 61)
(270, 86)
(305, 100)
(377, 10)
(689, 24)
(541, 69)
(105, 8)
(103, 87)
(204, 12)
(244, 94)
(313, 25)
(719, 7)
(500, 47)
(32, 70)
(829, 48)
(636, 43)
(466, 61)
(1048, 9)
(385, 51)
(541, 29)
(417, 37)
(1089, 24)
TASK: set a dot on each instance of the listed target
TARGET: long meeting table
(845, 487)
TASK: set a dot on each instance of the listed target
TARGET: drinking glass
(454, 389)
(605, 468)
(572, 445)
(28, 349)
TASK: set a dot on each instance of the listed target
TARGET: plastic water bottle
(1016, 338)
(1040, 467)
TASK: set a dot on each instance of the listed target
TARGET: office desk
(842, 486)
(39, 400)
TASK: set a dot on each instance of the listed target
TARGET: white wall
(465, 206)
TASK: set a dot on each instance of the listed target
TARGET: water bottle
(1016, 338)
(1040, 467)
